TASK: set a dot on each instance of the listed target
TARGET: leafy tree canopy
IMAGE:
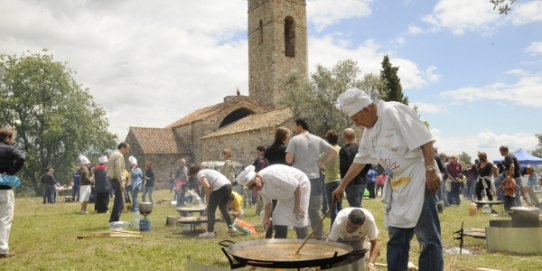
(503, 6)
(316, 100)
(464, 158)
(393, 91)
(55, 118)
(538, 150)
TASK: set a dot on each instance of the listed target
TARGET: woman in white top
(217, 192)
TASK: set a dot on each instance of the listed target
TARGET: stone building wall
(268, 64)
(163, 164)
(193, 132)
(243, 145)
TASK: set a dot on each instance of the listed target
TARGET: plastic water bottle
(137, 217)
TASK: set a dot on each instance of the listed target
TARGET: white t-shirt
(216, 179)
(395, 143)
(367, 232)
(280, 183)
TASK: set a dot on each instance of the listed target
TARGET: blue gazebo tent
(525, 158)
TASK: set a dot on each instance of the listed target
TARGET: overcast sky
(475, 75)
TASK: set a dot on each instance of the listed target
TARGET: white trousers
(7, 206)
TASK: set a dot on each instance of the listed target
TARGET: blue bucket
(144, 225)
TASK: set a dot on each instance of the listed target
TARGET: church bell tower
(277, 46)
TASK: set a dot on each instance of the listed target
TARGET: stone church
(277, 46)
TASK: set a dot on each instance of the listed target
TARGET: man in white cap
(290, 187)
(86, 182)
(397, 139)
(102, 185)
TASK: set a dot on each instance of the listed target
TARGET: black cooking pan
(281, 253)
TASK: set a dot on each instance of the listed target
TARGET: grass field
(44, 238)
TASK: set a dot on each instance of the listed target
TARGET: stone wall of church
(192, 133)
(243, 145)
(163, 164)
(268, 64)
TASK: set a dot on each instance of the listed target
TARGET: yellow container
(472, 208)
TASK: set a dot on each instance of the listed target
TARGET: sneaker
(207, 235)
(6, 255)
(232, 230)
(84, 212)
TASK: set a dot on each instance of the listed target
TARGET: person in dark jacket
(11, 161)
(149, 182)
(49, 182)
(354, 190)
(102, 186)
(276, 154)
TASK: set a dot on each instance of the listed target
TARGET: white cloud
(328, 50)
(323, 13)
(526, 12)
(486, 141)
(147, 64)
(525, 92)
(430, 107)
(535, 48)
(461, 15)
(517, 72)
(414, 30)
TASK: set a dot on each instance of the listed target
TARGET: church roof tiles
(158, 141)
(209, 111)
(255, 122)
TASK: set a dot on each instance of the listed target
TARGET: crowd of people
(298, 179)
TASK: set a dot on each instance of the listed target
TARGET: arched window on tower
(260, 29)
(289, 36)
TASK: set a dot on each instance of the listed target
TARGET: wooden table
(188, 210)
(186, 218)
(490, 203)
(61, 191)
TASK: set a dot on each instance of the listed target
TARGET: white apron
(280, 182)
(395, 143)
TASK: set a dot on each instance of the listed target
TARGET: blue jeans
(315, 206)
(49, 195)
(354, 194)
(135, 201)
(500, 192)
(180, 195)
(427, 232)
(338, 205)
(456, 191)
(148, 190)
(118, 203)
(519, 186)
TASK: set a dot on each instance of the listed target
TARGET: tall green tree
(464, 158)
(503, 6)
(55, 118)
(538, 150)
(317, 100)
(393, 91)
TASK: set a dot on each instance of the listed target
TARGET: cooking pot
(525, 216)
(145, 208)
(281, 253)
